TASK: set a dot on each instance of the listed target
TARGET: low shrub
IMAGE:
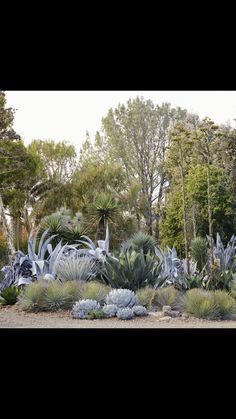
(145, 297)
(165, 296)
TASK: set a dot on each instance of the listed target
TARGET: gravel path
(13, 317)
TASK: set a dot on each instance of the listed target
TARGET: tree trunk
(17, 233)
(100, 234)
(194, 224)
(157, 229)
(6, 229)
(157, 214)
(184, 216)
(26, 220)
(149, 221)
(138, 221)
(210, 215)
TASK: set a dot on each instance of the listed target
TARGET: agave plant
(173, 270)
(224, 257)
(132, 271)
(18, 272)
(98, 253)
(42, 266)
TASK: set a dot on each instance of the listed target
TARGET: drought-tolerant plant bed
(14, 317)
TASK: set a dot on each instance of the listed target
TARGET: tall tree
(137, 137)
(15, 162)
(179, 155)
(205, 137)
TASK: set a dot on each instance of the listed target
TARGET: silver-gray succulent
(139, 310)
(82, 308)
(122, 298)
(96, 252)
(110, 310)
(125, 314)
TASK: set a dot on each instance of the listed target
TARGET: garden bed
(14, 317)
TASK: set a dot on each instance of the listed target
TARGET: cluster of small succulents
(83, 309)
(123, 304)
(120, 303)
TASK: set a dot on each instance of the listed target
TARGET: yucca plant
(75, 268)
(140, 242)
(9, 296)
(104, 209)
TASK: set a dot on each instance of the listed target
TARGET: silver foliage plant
(83, 308)
(125, 313)
(122, 298)
(224, 257)
(76, 268)
(110, 310)
(139, 310)
(99, 252)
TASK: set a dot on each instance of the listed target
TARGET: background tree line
(153, 168)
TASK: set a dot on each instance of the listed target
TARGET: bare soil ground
(13, 317)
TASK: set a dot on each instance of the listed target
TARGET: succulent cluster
(83, 308)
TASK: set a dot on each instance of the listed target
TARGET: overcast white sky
(66, 115)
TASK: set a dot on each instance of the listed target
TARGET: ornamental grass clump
(145, 297)
(55, 297)
(165, 296)
(30, 298)
(95, 291)
(202, 304)
(226, 304)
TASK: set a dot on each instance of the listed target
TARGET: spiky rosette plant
(110, 310)
(122, 298)
(83, 308)
(125, 313)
